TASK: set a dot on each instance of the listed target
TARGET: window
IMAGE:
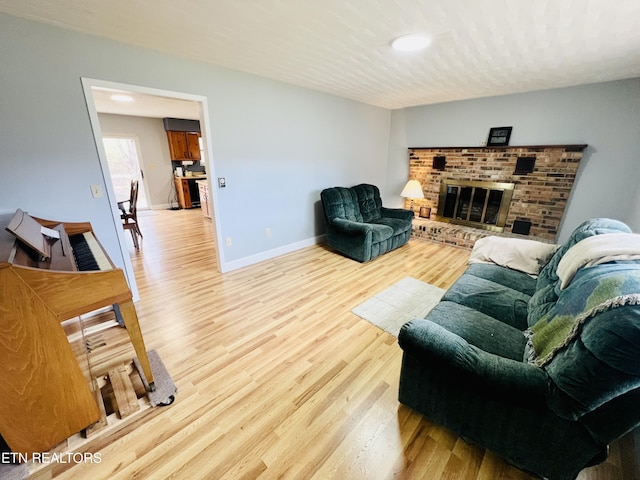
(124, 166)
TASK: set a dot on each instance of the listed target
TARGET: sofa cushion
(397, 225)
(490, 298)
(341, 202)
(586, 372)
(478, 329)
(369, 201)
(509, 278)
(547, 286)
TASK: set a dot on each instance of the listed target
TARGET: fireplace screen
(477, 204)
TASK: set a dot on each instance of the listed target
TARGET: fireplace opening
(478, 204)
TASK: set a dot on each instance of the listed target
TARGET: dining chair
(129, 214)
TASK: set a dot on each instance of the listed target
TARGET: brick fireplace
(540, 179)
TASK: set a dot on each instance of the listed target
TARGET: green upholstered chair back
(369, 201)
(361, 203)
(340, 202)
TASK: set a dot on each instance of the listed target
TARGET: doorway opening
(169, 103)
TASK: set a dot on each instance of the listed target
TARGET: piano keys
(44, 397)
(88, 253)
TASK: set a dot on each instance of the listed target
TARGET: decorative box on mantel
(479, 191)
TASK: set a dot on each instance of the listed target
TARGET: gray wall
(605, 116)
(277, 145)
(154, 153)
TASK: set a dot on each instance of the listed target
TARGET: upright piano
(51, 272)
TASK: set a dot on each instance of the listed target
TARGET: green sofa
(542, 372)
(358, 226)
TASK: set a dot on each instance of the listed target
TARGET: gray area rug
(165, 391)
(405, 300)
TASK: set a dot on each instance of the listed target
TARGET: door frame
(87, 85)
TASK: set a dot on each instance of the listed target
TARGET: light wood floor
(277, 378)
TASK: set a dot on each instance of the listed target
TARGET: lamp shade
(412, 189)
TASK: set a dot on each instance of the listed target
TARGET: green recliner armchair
(358, 226)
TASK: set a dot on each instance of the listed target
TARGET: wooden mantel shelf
(569, 148)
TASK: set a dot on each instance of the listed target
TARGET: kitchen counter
(193, 177)
(187, 190)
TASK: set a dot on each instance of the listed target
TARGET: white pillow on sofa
(528, 256)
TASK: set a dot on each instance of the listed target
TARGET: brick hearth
(457, 235)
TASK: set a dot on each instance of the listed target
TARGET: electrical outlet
(228, 241)
(96, 191)
(267, 232)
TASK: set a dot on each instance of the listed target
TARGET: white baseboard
(269, 254)
(162, 206)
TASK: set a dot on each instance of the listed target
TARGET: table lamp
(412, 190)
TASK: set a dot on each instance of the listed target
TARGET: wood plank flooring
(277, 378)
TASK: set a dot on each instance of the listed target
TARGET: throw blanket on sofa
(596, 250)
(610, 286)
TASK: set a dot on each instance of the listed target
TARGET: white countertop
(193, 177)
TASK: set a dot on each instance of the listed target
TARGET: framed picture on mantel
(499, 136)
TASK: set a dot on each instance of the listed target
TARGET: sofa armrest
(397, 213)
(350, 227)
(494, 376)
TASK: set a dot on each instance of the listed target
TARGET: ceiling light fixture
(411, 43)
(121, 98)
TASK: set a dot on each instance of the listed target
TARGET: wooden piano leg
(130, 318)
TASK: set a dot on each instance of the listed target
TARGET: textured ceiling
(480, 47)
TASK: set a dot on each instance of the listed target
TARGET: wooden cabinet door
(178, 148)
(182, 190)
(184, 145)
(193, 146)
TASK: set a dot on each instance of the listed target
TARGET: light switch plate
(96, 191)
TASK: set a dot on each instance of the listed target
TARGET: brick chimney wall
(539, 196)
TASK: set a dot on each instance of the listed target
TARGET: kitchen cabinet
(203, 189)
(187, 191)
(184, 145)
